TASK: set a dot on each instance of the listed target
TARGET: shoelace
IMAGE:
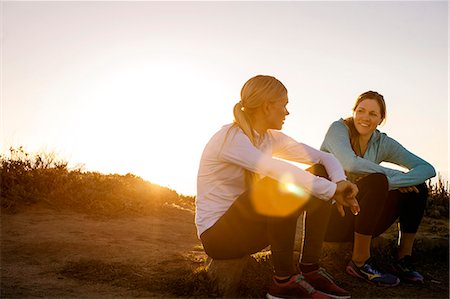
(325, 274)
(372, 269)
(301, 281)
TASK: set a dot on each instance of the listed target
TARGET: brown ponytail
(354, 136)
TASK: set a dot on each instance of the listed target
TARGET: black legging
(380, 208)
(242, 230)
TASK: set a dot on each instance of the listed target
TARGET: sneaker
(296, 287)
(370, 273)
(405, 269)
(323, 282)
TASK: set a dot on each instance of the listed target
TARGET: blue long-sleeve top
(381, 148)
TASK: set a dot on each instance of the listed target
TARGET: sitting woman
(238, 214)
(385, 194)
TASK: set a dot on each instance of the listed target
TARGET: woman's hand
(408, 189)
(345, 195)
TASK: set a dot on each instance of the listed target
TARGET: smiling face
(367, 117)
(277, 113)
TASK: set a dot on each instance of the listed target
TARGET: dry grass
(42, 178)
(180, 278)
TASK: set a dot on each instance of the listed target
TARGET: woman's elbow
(427, 171)
(431, 172)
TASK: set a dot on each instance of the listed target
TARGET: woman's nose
(365, 116)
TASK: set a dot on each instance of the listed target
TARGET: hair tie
(242, 106)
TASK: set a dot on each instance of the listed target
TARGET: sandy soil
(40, 248)
(61, 254)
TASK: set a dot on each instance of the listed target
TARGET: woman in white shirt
(248, 199)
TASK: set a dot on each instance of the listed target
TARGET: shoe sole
(413, 281)
(353, 273)
(334, 296)
(405, 279)
(268, 296)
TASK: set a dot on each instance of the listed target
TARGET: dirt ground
(61, 254)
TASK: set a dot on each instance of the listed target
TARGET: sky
(140, 87)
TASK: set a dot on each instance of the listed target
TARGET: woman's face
(367, 116)
(277, 114)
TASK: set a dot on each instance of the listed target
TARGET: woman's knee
(374, 186)
(421, 197)
(423, 190)
(318, 205)
(379, 180)
(416, 198)
(318, 170)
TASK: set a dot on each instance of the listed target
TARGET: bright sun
(143, 119)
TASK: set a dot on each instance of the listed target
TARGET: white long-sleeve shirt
(221, 175)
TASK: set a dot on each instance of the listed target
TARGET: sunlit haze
(140, 87)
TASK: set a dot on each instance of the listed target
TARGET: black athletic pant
(265, 215)
(380, 208)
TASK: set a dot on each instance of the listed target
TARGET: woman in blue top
(385, 194)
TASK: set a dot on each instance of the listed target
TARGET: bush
(26, 179)
(42, 178)
(438, 199)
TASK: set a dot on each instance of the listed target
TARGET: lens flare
(278, 198)
(292, 188)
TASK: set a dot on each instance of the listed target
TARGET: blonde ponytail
(243, 121)
(254, 93)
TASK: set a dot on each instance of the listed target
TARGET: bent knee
(318, 170)
(423, 190)
(378, 180)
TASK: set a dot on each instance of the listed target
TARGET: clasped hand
(345, 195)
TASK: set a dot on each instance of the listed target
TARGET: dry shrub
(438, 199)
(42, 178)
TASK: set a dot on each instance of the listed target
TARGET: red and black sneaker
(323, 282)
(296, 287)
